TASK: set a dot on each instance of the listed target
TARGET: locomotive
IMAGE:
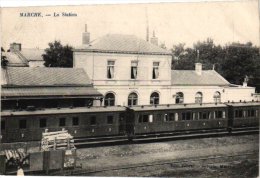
(104, 121)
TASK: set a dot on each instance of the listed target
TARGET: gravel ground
(125, 155)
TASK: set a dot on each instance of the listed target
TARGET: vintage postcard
(162, 89)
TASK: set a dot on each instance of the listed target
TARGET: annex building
(24, 57)
(131, 71)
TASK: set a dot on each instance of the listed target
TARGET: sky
(173, 23)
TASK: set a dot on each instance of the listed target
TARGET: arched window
(154, 98)
(110, 99)
(179, 98)
(217, 97)
(198, 97)
(132, 99)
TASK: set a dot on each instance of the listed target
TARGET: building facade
(131, 71)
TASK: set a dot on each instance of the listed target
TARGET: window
(251, 113)
(186, 116)
(145, 118)
(179, 98)
(239, 113)
(110, 119)
(2, 125)
(132, 99)
(134, 65)
(156, 70)
(218, 114)
(22, 124)
(62, 122)
(169, 117)
(217, 97)
(110, 99)
(75, 121)
(204, 115)
(110, 69)
(154, 98)
(43, 123)
(93, 120)
(198, 97)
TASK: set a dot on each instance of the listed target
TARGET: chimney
(245, 81)
(198, 68)
(154, 39)
(85, 36)
(15, 47)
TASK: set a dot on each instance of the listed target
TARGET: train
(104, 121)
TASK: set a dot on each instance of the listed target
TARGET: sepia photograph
(130, 89)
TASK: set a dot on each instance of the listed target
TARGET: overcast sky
(173, 23)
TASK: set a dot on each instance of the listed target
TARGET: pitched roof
(44, 76)
(119, 43)
(176, 106)
(46, 111)
(15, 60)
(21, 58)
(190, 77)
(32, 54)
(29, 92)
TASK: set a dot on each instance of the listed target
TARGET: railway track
(78, 171)
(158, 137)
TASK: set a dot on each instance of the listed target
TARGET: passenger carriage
(244, 114)
(179, 117)
(80, 122)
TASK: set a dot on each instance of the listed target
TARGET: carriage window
(93, 120)
(43, 123)
(110, 119)
(218, 114)
(154, 98)
(2, 125)
(186, 116)
(183, 116)
(251, 113)
(75, 121)
(203, 115)
(62, 121)
(239, 113)
(179, 98)
(143, 118)
(22, 124)
(169, 117)
(110, 99)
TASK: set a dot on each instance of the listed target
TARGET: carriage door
(122, 124)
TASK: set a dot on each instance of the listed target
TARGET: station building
(131, 71)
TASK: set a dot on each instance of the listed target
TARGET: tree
(4, 61)
(242, 60)
(233, 61)
(58, 55)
